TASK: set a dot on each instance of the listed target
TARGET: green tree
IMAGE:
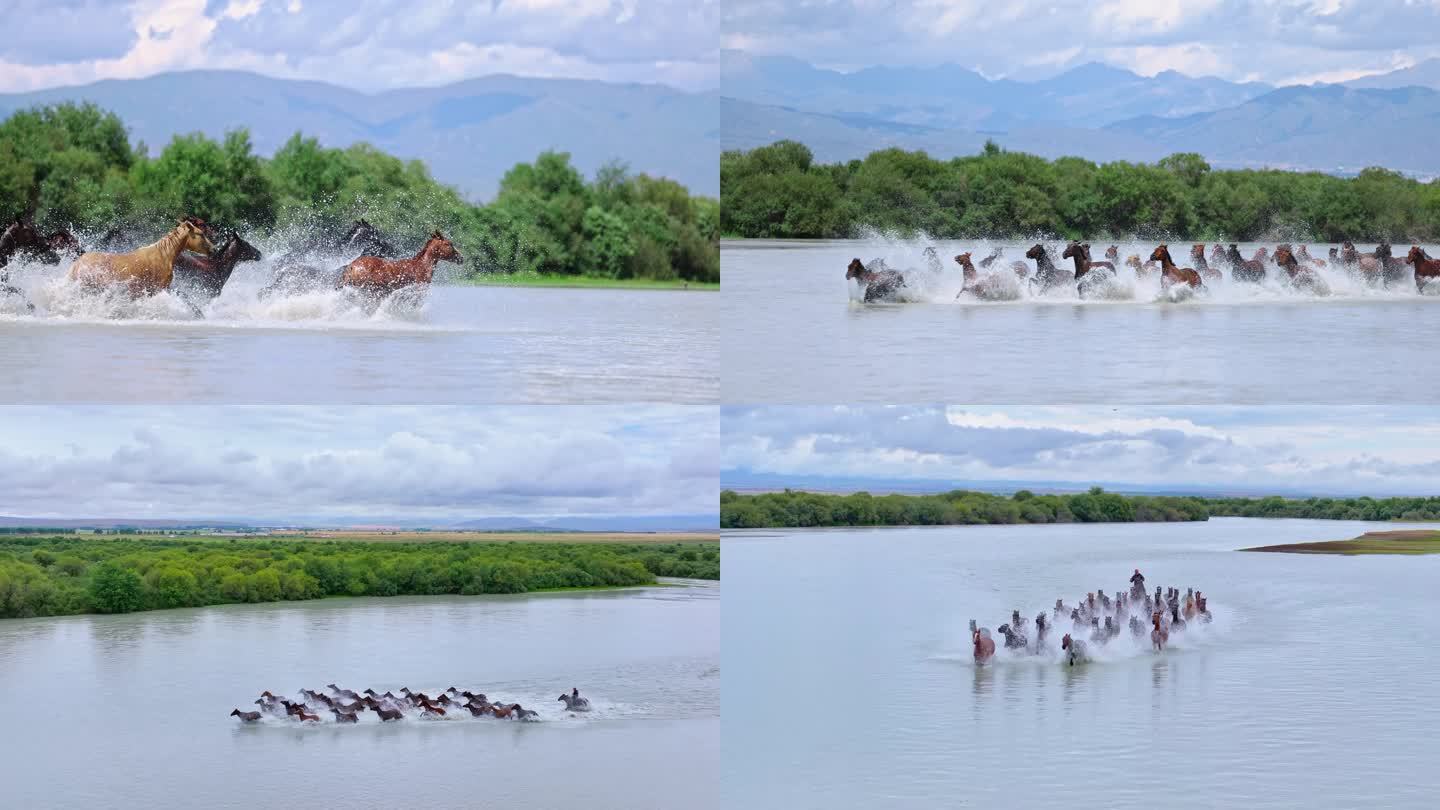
(115, 589)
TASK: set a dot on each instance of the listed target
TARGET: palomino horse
(379, 276)
(883, 285)
(1426, 268)
(1170, 274)
(145, 271)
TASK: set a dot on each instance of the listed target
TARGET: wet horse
(1426, 268)
(882, 285)
(378, 276)
(1197, 253)
(984, 646)
(1081, 254)
(1170, 274)
(206, 276)
(21, 238)
(1244, 270)
(145, 271)
(1074, 650)
(1047, 275)
(1302, 277)
(1159, 635)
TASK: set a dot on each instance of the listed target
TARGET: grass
(585, 282)
(1400, 541)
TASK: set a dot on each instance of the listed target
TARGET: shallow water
(846, 654)
(805, 338)
(131, 710)
(460, 343)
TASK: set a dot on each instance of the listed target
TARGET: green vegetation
(1401, 542)
(778, 191)
(1327, 508)
(800, 509)
(52, 576)
(75, 164)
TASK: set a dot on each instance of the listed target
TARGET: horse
(884, 285)
(387, 715)
(1170, 274)
(1243, 270)
(378, 276)
(305, 717)
(1302, 277)
(990, 287)
(573, 702)
(1014, 640)
(145, 271)
(1303, 254)
(1074, 649)
(246, 717)
(207, 275)
(345, 693)
(1426, 268)
(414, 697)
(989, 260)
(1159, 635)
(1046, 273)
(1081, 254)
(522, 713)
(1112, 254)
(344, 716)
(984, 645)
(21, 237)
(1197, 252)
(477, 711)
(1391, 268)
(428, 708)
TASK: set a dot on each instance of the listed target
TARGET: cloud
(282, 463)
(368, 44)
(1278, 41)
(1331, 450)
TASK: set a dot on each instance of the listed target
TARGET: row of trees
(1328, 508)
(802, 509)
(55, 576)
(75, 166)
(778, 191)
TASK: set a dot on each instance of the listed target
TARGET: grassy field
(587, 282)
(1408, 541)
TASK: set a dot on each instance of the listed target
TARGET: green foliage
(801, 509)
(74, 166)
(778, 191)
(1328, 508)
(47, 576)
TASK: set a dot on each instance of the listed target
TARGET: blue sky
(1375, 451)
(367, 44)
(1276, 41)
(437, 463)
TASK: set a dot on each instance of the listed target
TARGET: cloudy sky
(1276, 41)
(368, 44)
(433, 463)
(1323, 451)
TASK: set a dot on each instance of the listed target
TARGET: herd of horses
(1166, 613)
(187, 261)
(1294, 265)
(346, 705)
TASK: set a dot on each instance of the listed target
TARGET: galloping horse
(1159, 635)
(1242, 270)
(1299, 276)
(207, 274)
(984, 646)
(21, 237)
(1426, 268)
(1074, 650)
(145, 271)
(1197, 252)
(379, 276)
(883, 285)
(1170, 274)
(1047, 275)
(1081, 254)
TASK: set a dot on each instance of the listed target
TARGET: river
(850, 682)
(132, 710)
(805, 339)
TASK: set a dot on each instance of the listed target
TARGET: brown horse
(1217, 253)
(882, 285)
(1047, 275)
(387, 715)
(430, 708)
(478, 711)
(379, 276)
(1197, 252)
(1112, 254)
(21, 237)
(1303, 254)
(1081, 254)
(305, 717)
(1170, 274)
(343, 716)
(208, 274)
(1426, 268)
(145, 271)
(1159, 635)
(246, 717)
(984, 647)
(1242, 270)
(504, 712)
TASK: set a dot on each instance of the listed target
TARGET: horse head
(1159, 254)
(441, 248)
(1416, 256)
(194, 236)
(1035, 252)
(1197, 251)
(1073, 249)
(855, 270)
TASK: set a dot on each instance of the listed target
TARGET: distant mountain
(469, 133)
(1329, 127)
(954, 97)
(1422, 74)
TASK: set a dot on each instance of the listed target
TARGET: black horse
(293, 273)
(201, 279)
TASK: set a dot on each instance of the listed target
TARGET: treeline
(792, 509)
(61, 575)
(778, 191)
(1328, 508)
(75, 166)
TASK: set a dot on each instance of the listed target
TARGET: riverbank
(56, 576)
(585, 282)
(1407, 541)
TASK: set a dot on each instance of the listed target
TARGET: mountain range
(584, 523)
(469, 133)
(1095, 111)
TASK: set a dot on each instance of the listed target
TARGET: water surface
(130, 711)
(805, 340)
(849, 680)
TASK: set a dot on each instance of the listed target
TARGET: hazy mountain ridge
(469, 133)
(582, 523)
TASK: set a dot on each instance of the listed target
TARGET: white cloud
(404, 463)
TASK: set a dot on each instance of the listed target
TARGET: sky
(434, 463)
(1275, 41)
(366, 44)
(1393, 451)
